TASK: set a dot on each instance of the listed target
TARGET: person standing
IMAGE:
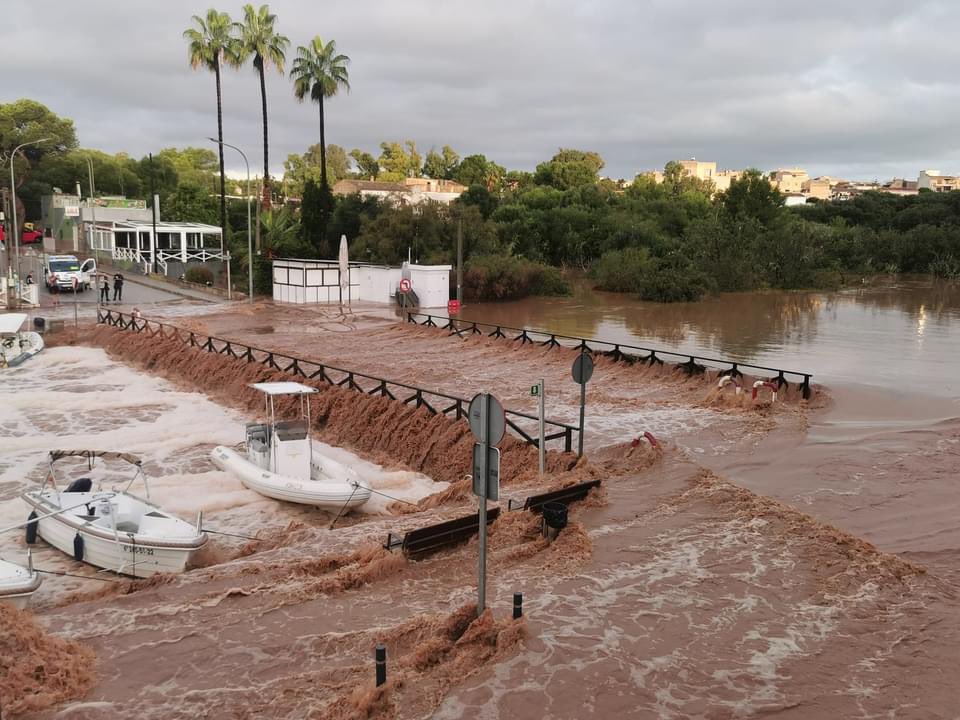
(118, 287)
(104, 289)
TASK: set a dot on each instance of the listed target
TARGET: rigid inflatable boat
(280, 461)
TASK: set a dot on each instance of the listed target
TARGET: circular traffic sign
(496, 419)
(582, 368)
(405, 285)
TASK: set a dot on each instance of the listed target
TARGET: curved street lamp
(249, 228)
(13, 196)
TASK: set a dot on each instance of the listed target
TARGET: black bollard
(517, 605)
(381, 664)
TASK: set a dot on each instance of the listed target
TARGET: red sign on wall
(453, 307)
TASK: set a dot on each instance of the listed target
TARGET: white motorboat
(111, 529)
(17, 344)
(282, 463)
(18, 583)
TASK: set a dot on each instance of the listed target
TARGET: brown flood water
(675, 593)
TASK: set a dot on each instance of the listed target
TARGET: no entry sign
(405, 285)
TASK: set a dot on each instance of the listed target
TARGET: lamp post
(249, 229)
(93, 209)
(13, 196)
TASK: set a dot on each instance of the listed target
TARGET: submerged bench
(567, 495)
(433, 537)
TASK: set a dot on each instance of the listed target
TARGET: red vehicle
(27, 237)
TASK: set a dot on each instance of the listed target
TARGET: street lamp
(13, 195)
(249, 228)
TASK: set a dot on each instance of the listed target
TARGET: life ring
(764, 383)
(727, 380)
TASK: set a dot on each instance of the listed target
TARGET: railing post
(568, 440)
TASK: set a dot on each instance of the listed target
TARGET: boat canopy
(91, 454)
(284, 388)
(10, 323)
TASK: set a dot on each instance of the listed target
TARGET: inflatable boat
(280, 462)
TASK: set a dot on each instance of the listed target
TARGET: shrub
(505, 277)
(622, 270)
(673, 280)
(199, 274)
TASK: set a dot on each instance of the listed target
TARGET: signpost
(488, 424)
(538, 392)
(405, 286)
(582, 371)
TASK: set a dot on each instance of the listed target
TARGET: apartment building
(789, 180)
(937, 182)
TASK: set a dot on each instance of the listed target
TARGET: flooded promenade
(794, 558)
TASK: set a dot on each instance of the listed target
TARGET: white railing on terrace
(193, 254)
(131, 254)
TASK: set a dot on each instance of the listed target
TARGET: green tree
(259, 39)
(194, 165)
(24, 121)
(752, 196)
(300, 168)
(397, 163)
(441, 164)
(367, 165)
(210, 44)
(477, 170)
(191, 203)
(320, 72)
(569, 169)
(315, 209)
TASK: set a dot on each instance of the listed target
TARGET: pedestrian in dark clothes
(118, 288)
(105, 289)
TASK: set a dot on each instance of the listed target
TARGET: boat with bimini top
(17, 344)
(111, 529)
(282, 463)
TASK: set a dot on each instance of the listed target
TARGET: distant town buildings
(933, 180)
(798, 187)
(412, 191)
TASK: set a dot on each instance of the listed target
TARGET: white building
(313, 282)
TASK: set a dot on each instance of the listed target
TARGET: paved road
(133, 294)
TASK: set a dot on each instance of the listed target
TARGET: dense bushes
(503, 277)
(199, 274)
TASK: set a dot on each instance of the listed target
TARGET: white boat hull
(24, 347)
(123, 552)
(17, 584)
(326, 494)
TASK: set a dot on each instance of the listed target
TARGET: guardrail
(433, 401)
(694, 364)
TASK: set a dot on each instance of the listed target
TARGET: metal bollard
(381, 664)
(517, 605)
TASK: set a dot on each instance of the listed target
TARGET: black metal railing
(433, 401)
(694, 364)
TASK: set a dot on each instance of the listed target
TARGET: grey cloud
(851, 89)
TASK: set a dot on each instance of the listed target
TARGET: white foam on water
(78, 398)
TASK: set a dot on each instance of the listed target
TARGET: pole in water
(543, 449)
(583, 403)
(482, 515)
(380, 661)
(517, 605)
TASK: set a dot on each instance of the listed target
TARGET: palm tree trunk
(223, 186)
(266, 151)
(323, 148)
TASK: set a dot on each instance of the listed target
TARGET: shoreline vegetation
(523, 232)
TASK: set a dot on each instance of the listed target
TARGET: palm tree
(258, 38)
(211, 43)
(319, 71)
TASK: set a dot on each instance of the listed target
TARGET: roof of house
(352, 186)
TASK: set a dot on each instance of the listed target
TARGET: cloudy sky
(859, 90)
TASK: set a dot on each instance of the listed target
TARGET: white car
(65, 272)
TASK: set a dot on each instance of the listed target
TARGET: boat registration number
(137, 550)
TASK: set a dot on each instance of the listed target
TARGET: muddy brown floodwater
(796, 559)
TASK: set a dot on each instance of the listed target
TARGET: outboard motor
(80, 485)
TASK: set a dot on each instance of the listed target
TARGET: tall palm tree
(259, 39)
(319, 71)
(210, 44)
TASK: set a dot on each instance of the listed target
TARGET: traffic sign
(496, 419)
(405, 285)
(535, 390)
(582, 368)
(493, 472)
